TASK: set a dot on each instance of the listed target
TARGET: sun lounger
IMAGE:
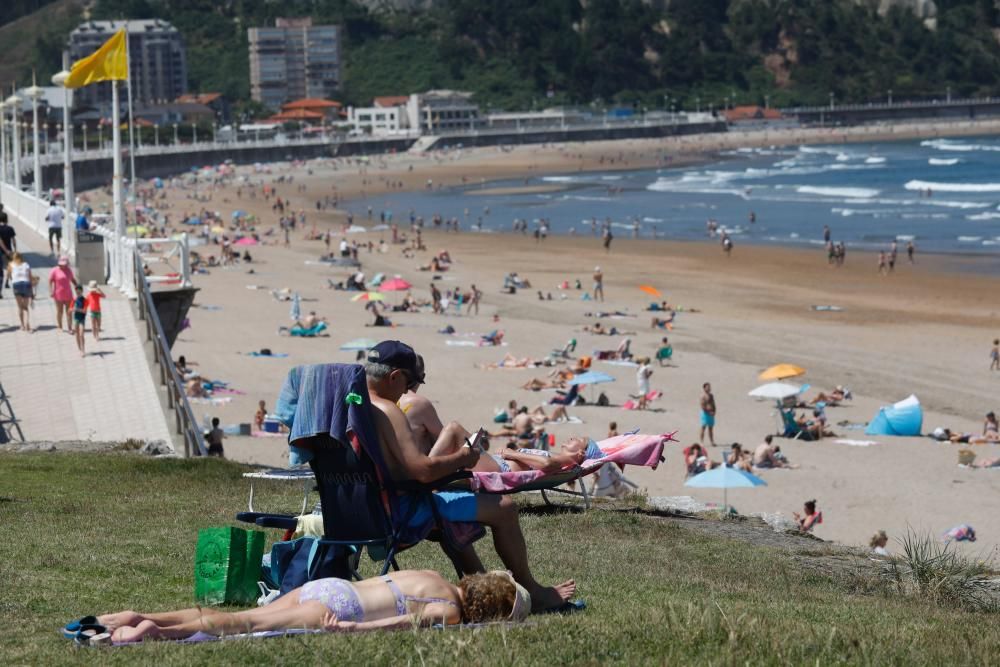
(630, 449)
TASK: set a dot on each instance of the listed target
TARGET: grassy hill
(90, 533)
(36, 40)
(534, 53)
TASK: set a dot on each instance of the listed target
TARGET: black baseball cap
(396, 354)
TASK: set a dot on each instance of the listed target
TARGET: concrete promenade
(56, 395)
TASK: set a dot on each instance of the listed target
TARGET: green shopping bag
(227, 565)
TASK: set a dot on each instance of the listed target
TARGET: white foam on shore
(952, 187)
(970, 239)
(850, 193)
(983, 216)
(949, 145)
(875, 160)
(943, 162)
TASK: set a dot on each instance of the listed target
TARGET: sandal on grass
(92, 634)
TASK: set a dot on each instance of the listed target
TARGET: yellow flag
(108, 63)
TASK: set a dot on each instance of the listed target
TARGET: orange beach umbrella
(650, 290)
(782, 371)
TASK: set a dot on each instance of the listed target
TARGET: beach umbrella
(246, 240)
(395, 284)
(358, 344)
(356, 229)
(239, 214)
(725, 478)
(776, 390)
(782, 371)
(650, 290)
(369, 296)
(591, 377)
(296, 312)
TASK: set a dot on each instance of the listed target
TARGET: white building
(377, 120)
(440, 111)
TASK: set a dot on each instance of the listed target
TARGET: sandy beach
(924, 330)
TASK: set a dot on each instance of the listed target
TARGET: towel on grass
(629, 449)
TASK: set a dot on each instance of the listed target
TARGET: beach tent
(903, 418)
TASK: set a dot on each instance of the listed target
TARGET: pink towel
(636, 449)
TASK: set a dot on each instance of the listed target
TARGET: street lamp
(767, 101)
(35, 93)
(3, 142)
(697, 103)
(84, 136)
(890, 97)
(100, 136)
(156, 135)
(175, 134)
(948, 94)
(831, 101)
(194, 133)
(14, 103)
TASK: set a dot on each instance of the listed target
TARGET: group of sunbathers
(415, 445)
(766, 455)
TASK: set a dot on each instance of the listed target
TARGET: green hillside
(529, 53)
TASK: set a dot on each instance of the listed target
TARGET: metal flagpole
(133, 192)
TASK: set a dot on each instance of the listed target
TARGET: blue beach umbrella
(591, 377)
(725, 478)
(358, 344)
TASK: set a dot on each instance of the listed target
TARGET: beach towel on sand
(630, 449)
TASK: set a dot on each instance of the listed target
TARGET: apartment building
(294, 60)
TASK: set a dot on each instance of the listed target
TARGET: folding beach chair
(360, 501)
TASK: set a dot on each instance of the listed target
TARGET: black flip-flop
(567, 607)
(70, 629)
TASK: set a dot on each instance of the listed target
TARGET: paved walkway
(109, 395)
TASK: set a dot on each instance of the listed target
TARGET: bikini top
(401, 599)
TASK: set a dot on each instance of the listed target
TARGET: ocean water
(944, 194)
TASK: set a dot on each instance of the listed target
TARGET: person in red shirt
(94, 296)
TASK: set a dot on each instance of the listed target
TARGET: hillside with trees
(535, 53)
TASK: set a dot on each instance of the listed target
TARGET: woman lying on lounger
(574, 452)
(407, 598)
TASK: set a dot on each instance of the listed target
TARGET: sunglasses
(411, 382)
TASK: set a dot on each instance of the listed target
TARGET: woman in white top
(24, 289)
(642, 381)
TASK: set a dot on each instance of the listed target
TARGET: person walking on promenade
(54, 217)
(8, 246)
(61, 281)
(23, 284)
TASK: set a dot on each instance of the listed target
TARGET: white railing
(30, 212)
(119, 257)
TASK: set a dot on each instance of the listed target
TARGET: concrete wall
(95, 173)
(852, 115)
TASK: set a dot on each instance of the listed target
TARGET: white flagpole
(118, 276)
(131, 140)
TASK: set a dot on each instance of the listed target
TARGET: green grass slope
(88, 533)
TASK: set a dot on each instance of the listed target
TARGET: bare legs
(500, 514)
(23, 302)
(452, 439)
(62, 309)
(283, 613)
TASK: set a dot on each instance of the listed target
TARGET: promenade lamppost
(100, 136)
(194, 133)
(697, 103)
(35, 93)
(890, 97)
(831, 101)
(84, 136)
(948, 94)
(156, 135)
(14, 104)
(175, 135)
(3, 141)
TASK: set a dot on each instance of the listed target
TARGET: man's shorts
(55, 232)
(458, 506)
(707, 419)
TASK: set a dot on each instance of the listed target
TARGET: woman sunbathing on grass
(408, 598)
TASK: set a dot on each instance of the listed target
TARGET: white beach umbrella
(775, 390)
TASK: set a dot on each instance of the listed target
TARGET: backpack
(602, 400)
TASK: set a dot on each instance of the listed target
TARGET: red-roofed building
(389, 101)
(214, 101)
(327, 109)
(300, 115)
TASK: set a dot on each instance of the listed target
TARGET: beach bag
(227, 565)
(295, 562)
(602, 400)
